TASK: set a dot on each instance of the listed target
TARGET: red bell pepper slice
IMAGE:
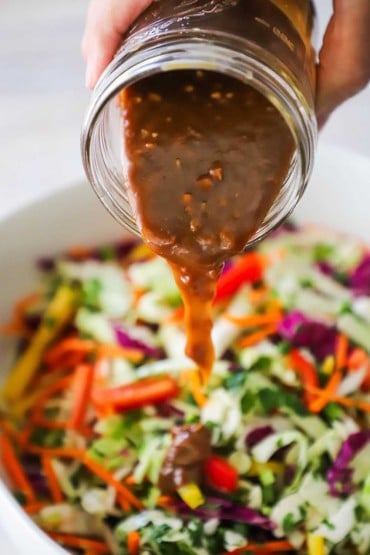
(149, 391)
(220, 474)
(247, 269)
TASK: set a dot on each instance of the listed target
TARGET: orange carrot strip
(268, 547)
(254, 338)
(48, 392)
(15, 470)
(10, 430)
(17, 321)
(33, 508)
(79, 542)
(66, 346)
(130, 480)
(357, 358)
(197, 389)
(133, 542)
(57, 452)
(111, 350)
(80, 252)
(81, 392)
(52, 480)
(341, 352)
(329, 391)
(307, 372)
(125, 505)
(254, 320)
(107, 477)
(345, 401)
(164, 501)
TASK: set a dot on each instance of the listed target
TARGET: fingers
(107, 21)
(344, 60)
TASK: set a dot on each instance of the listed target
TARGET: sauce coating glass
(266, 44)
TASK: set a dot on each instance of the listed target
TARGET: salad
(113, 445)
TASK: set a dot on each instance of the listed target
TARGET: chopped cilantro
(248, 402)
(235, 380)
(322, 252)
(332, 412)
(91, 290)
(289, 523)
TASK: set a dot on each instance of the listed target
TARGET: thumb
(344, 60)
(107, 21)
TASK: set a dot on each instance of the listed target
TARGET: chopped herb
(235, 380)
(289, 523)
(322, 252)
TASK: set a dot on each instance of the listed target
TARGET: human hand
(344, 60)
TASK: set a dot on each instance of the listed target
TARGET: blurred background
(43, 99)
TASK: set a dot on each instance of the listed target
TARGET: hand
(344, 60)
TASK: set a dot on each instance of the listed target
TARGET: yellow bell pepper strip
(191, 495)
(58, 314)
(315, 545)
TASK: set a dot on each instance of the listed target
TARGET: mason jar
(267, 44)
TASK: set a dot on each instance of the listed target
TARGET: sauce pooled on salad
(191, 446)
(206, 157)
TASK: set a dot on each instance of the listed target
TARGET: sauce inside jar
(206, 156)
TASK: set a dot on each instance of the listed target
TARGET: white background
(42, 102)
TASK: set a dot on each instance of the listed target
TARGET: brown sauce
(191, 446)
(206, 157)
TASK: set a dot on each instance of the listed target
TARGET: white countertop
(42, 102)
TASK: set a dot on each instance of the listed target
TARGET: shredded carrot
(73, 344)
(329, 391)
(10, 430)
(15, 470)
(57, 452)
(357, 358)
(257, 336)
(125, 505)
(164, 501)
(115, 351)
(268, 547)
(50, 391)
(307, 372)
(255, 320)
(341, 352)
(80, 252)
(107, 477)
(345, 401)
(133, 542)
(52, 480)
(17, 325)
(130, 480)
(48, 423)
(192, 379)
(33, 508)
(256, 296)
(79, 542)
(81, 392)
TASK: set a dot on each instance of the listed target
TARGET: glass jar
(265, 43)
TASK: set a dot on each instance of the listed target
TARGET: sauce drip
(206, 156)
(191, 446)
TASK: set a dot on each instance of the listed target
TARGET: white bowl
(339, 197)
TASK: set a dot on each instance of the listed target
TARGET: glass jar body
(264, 43)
